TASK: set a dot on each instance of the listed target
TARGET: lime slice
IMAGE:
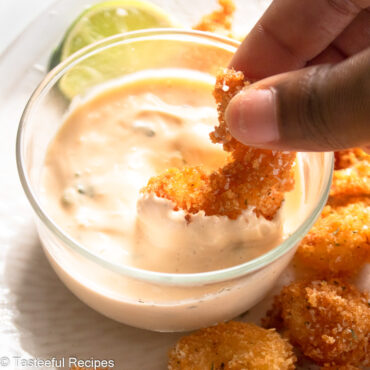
(109, 18)
(96, 23)
(119, 60)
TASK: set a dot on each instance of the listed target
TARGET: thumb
(320, 108)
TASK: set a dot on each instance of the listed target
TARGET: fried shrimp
(328, 320)
(352, 173)
(352, 181)
(232, 345)
(219, 21)
(252, 177)
(349, 157)
(339, 242)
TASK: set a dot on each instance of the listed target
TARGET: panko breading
(252, 177)
(328, 320)
(352, 173)
(349, 157)
(352, 181)
(232, 346)
(339, 243)
(219, 21)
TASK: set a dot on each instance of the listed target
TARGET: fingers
(356, 36)
(292, 32)
(318, 108)
(352, 40)
(330, 55)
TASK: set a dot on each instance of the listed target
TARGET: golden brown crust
(328, 320)
(339, 242)
(219, 21)
(228, 83)
(253, 177)
(351, 177)
(232, 346)
(352, 181)
(349, 157)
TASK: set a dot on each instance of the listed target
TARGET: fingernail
(252, 118)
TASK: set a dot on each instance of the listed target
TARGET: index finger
(292, 32)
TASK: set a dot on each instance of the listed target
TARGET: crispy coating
(339, 242)
(328, 320)
(349, 157)
(184, 187)
(352, 174)
(352, 181)
(232, 346)
(252, 177)
(228, 83)
(219, 21)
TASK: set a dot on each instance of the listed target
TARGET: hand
(320, 107)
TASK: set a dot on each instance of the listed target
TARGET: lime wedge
(109, 18)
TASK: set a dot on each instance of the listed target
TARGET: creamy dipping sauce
(108, 147)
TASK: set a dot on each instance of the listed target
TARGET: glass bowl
(141, 298)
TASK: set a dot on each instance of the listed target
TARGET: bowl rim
(180, 279)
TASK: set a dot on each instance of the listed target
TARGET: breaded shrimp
(349, 157)
(352, 181)
(252, 177)
(352, 173)
(328, 320)
(339, 243)
(219, 21)
(232, 345)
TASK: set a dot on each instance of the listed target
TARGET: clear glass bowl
(146, 299)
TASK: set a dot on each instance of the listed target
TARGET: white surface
(15, 15)
(39, 317)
